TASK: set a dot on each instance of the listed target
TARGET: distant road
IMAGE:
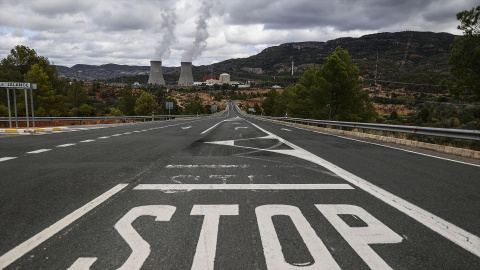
(231, 192)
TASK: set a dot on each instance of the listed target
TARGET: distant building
(206, 78)
(224, 78)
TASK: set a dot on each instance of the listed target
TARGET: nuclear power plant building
(186, 76)
(156, 73)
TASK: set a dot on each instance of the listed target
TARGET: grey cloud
(53, 8)
(342, 15)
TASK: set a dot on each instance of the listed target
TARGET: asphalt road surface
(231, 192)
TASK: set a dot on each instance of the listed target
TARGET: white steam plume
(201, 33)
(167, 35)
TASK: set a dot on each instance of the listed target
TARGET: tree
(339, 88)
(394, 115)
(257, 108)
(194, 107)
(127, 101)
(20, 60)
(465, 56)
(145, 104)
(269, 102)
(77, 95)
(44, 97)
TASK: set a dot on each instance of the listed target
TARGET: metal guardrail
(439, 132)
(5, 120)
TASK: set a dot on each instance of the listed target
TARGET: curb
(430, 146)
(31, 130)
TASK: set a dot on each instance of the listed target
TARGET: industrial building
(186, 76)
(156, 73)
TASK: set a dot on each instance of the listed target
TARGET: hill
(420, 57)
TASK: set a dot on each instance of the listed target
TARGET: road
(231, 192)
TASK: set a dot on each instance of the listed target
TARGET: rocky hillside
(90, 72)
(403, 56)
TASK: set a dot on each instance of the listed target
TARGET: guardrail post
(384, 133)
(49, 123)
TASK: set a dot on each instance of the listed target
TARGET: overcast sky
(133, 32)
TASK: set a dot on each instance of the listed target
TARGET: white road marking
(7, 158)
(127, 133)
(104, 137)
(136, 131)
(140, 248)
(448, 230)
(212, 127)
(65, 145)
(205, 166)
(88, 141)
(242, 186)
(38, 151)
(377, 144)
(186, 127)
(224, 178)
(83, 263)
(286, 129)
(39, 238)
(271, 244)
(237, 128)
(359, 238)
(116, 135)
(207, 241)
(184, 176)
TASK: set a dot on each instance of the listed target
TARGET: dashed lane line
(104, 137)
(38, 151)
(87, 141)
(66, 145)
(7, 158)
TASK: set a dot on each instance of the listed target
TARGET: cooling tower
(186, 77)
(156, 74)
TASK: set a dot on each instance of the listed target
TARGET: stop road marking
(358, 238)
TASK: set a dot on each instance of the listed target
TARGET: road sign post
(15, 106)
(24, 86)
(169, 106)
(9, 111)
(32, 86)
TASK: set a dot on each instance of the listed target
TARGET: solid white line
(241, 186)
(88, 141)
(448, 230)
(38, 151)
(377, 144)
(44, 235)
(6, 158)
(65, 145)
(212, 127)
(205, 166)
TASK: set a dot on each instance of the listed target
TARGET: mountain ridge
(402, 56)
